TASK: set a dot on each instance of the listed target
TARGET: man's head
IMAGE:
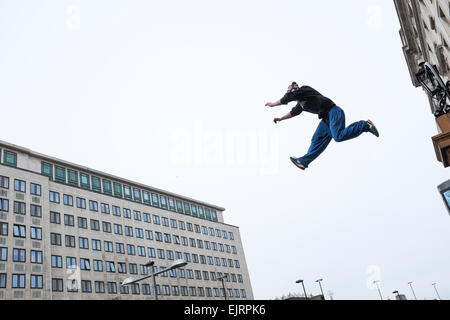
(293, 87)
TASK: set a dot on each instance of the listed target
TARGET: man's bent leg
(337, 126)
(319, 143)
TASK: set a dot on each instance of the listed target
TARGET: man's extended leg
(338, 130)
(319, 143)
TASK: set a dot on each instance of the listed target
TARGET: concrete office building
(70, 232)
(425, 33)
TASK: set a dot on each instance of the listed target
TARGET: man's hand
(269, 104)
(276, 120)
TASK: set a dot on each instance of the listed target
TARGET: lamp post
(378, 287)
(320, 285)
(434, 285)
(176, 264)
(304, 290)
(414, 294)
(223, 284)
(396, 292)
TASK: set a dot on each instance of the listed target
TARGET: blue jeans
(332, 126)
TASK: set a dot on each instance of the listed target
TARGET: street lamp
(320, 285)
(396, 292)
(414, 294)
(304, 290)
(176, 264)
(434, 285)
(223, 284)
(378, 287)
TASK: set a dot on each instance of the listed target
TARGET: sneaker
(297, 163)
(372, 129)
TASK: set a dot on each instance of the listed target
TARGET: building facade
(70, 232)
(425, 34)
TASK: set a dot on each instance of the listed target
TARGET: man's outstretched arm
(288, 116)
(273, 104)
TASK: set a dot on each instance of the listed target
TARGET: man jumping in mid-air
(331, 126)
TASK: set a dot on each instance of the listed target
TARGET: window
(194, 210)
(165, 221)
(19, 255)
(137, 215)
(35, 189)
(201, 292)
(69, 220)
(128, 231)
(179, 206)
(131, 249)
(195, 258)
(93, 205)
(139, 233)
(85, 264)
(167, 238)
(56, 261)
(163, 202)
(126, 213)
(149, 234)
(95, 225)
(86, 286)
(201, 213)
(175, 291)
(141, 251)
(106, 226)
(243, 294)
(197, 228)
(169, 254)
(4, 182)
(108, 246)
(57, 285)
(127, 192)
(146, 289)
(68, 200)
(83, 243)
(165, 290)
(207, 214)
(118, 229)
(19, 207)
(137, 195)
(176, 239)
(81, 203)
(155, 200)
(112, 287)
(73, 177)
(172, 204)
(133, 268)
(214, 215)
(19, 231)
(10, 158)
(146, 197)
(107, 186)
(181, 273)
(82, 223)
(99, 287)
(70, 241)
(55, 239)
(36, 233)
(3, 229)
(116, 211)
(161, 254)
(156, 220)
(151, 252)
(192, 291)
(117, 190)
(84, 181)
(187, 208)
(60, 174)
(96, 245)
(184, 241)
(47, 169)
(110, 267)
(105, 208)
(35, 211)
(96, 185)
(120, 248)
(135, 288)
(158, 236)
(19, 185)
(147, 217)
(181, 225)
(18, 281)
(54, 196)
(231, 235)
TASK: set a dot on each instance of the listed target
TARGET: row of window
(36, 282)
(94, 183)
(19, 255)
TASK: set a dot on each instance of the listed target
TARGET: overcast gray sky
(172, 94)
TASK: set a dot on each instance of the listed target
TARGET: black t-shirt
(309, 100)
